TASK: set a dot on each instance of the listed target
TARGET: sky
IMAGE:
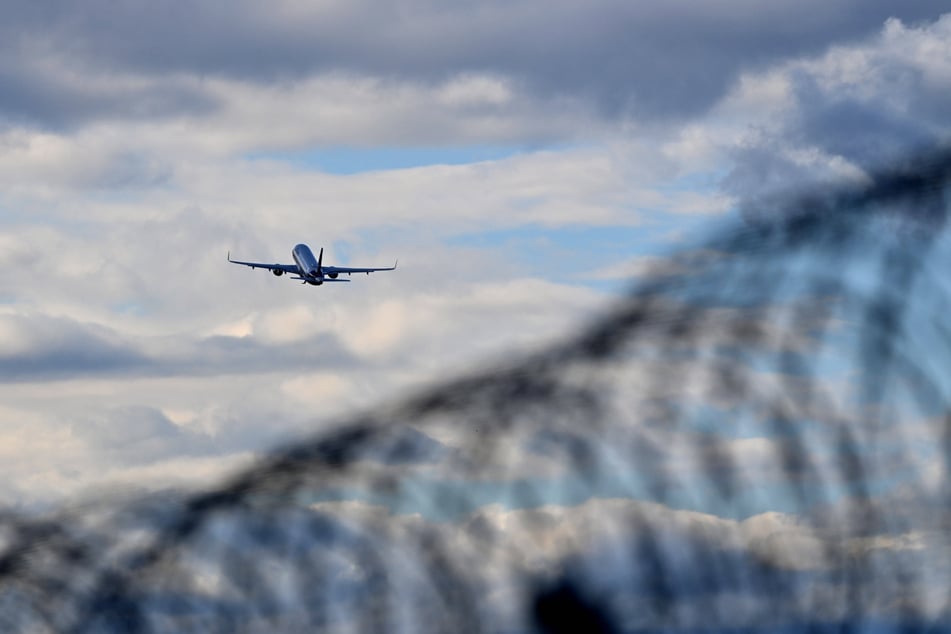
(524, 161)
(522, 165)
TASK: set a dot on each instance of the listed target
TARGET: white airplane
(308, 268)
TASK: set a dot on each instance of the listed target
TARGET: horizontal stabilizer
(326, 279)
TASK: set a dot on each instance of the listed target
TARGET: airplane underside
(308, 269)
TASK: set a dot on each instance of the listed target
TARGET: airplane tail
(320, 263)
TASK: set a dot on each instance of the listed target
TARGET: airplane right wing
(283, 268)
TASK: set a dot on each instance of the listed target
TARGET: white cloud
(843, 113)
(289, 324)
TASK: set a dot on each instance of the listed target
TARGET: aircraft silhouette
(310, 270)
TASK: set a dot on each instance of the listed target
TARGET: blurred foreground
(756, 439)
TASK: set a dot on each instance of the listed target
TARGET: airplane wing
(348, 269)
(286, 268)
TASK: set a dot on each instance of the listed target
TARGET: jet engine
(277, 272)
(333, 276)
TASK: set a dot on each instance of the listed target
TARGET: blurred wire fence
(756, 438)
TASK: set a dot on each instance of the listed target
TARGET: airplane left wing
(283, 268)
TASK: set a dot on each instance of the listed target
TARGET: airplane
(308, 269)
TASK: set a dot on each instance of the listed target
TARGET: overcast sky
(521, 159)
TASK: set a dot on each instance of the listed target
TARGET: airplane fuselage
(308, 265)
(311, 268)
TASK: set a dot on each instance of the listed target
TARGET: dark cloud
(60, 97)
(860, 132)
(43, 348)
(239, 355)
(648, 59)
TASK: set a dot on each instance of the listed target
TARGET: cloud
(241, 384)
(847, 112)
(40, 346)
(610, 52)
(139, 435)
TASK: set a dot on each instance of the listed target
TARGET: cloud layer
(652, 60)
(138, 144)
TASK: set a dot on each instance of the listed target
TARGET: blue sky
(526, 165)
(354, 160)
